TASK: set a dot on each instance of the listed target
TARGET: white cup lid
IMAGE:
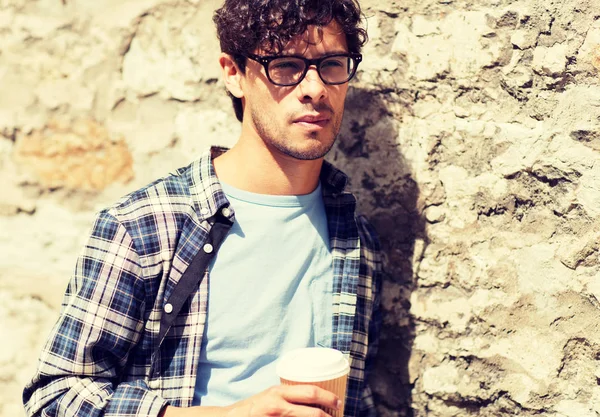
(312, 365)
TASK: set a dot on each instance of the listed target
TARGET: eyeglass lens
(289, 70)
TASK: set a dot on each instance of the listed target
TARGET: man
(189, 289)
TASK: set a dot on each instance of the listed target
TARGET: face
(300, 121)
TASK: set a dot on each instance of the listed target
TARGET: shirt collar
(333, 180)
(206, 191)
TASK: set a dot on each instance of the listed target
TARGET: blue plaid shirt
(105, 357)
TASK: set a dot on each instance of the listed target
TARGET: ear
(231, 75)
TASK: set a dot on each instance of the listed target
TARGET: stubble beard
(273, 136)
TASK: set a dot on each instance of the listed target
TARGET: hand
(286, 400)
(277, 401)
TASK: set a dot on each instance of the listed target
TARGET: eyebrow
(341, 51)
(328, 53)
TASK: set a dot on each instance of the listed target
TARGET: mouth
(312, 121)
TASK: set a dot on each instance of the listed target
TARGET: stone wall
(472, 137)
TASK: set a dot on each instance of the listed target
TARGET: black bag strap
(192, 276)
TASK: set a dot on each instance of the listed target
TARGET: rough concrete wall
(472, 137)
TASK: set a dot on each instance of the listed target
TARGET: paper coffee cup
(323, 367)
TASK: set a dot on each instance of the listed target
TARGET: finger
(282, 408)
(307, 411)
(311, 395)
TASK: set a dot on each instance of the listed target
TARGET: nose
(312, 87)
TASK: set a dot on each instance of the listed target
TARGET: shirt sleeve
(101, 320)
(373, 265)
(367, 406)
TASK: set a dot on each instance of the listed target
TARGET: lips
(310, 120)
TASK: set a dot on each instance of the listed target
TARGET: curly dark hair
(245, 25)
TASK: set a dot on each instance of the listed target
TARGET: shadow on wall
(387, 195)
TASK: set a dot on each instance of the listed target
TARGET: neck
(253, 166)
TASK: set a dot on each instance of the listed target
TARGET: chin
(307, 153)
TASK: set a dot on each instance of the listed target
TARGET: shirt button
(208, 248)
(168, 308)
(226, 212)
(204, 211)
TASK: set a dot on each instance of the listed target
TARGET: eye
(287, 65)
(336, 62)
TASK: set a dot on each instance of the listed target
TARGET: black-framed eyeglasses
(286, 71)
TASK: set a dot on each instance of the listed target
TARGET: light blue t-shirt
(270, 291)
